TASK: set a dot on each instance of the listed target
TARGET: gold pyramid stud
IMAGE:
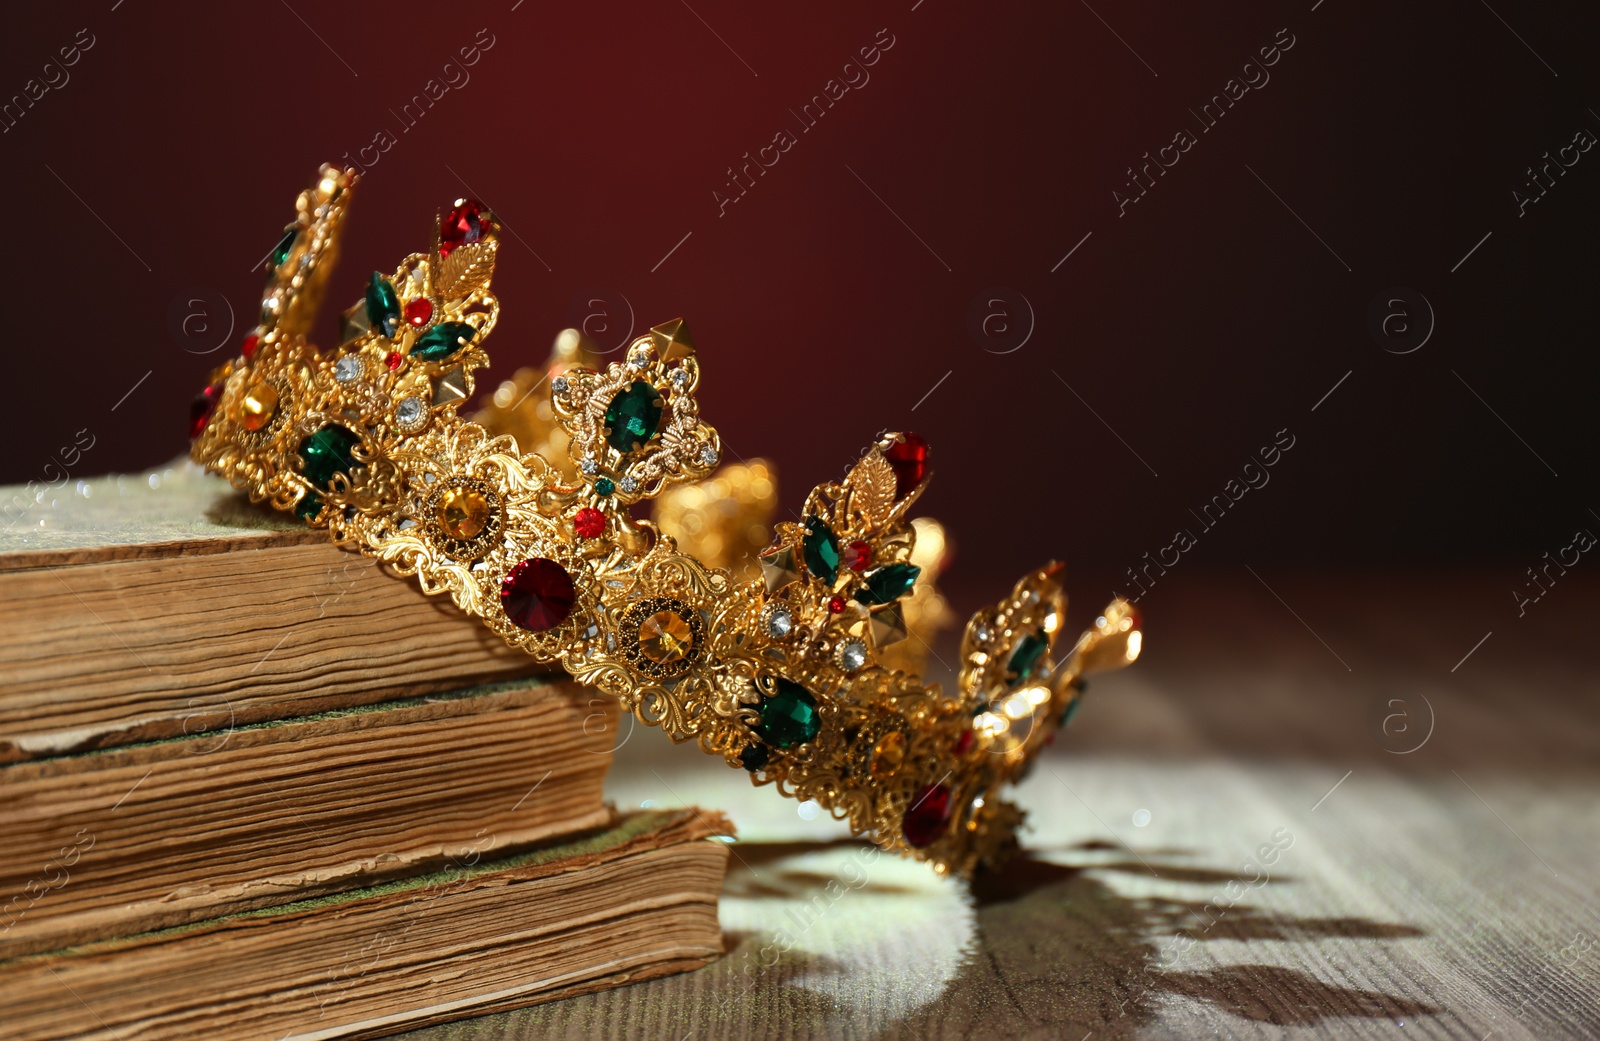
(672, 340)
(778, 569)
(888, 626)
(452, 386)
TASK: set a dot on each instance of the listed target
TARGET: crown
(786, 673)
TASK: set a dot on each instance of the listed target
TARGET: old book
(143, 608)
(634, 901)
(127, 840)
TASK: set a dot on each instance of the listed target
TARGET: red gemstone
(964, 743)
(589, 523)
(929, 816)
(857, 556)
(537, 594)
(466, 224)
(200, 410)
(393, 360)
(908, 457)
(250, 343)
(836, 604)
(419, 311)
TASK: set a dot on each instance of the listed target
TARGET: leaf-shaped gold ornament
(466, 270)
(871, 488)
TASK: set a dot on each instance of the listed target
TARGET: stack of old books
(254, 786)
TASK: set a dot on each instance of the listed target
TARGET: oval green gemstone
(821, 550)
(888, 584)
(383, 306)
(328, 452)
(309, 506)
(280, 252)
(1070, 711)
(633, 416)
(442, 340)
(789, 717)
(604, 486)
(1025, 658)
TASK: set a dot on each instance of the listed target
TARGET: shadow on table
(1052, 952)
(1060, 954)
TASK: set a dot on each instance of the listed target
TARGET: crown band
(781, 674)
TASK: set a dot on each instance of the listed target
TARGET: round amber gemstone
(258, 406)
(665, 637)
(462, 513)
(888, 754)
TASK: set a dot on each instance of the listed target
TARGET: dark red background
(1197, 325)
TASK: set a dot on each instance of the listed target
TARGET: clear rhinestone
(980, 632)
(588, 466)
(629, 485)
(708, 456)
(409, 412)
(852, 655)
(559, 384)
(639, 359)
(591, 632)
(348, 369)
(779, 621)
(680, 376)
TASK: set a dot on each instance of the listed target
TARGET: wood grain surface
(1446, 891)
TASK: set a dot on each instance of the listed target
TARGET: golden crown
(785, 673)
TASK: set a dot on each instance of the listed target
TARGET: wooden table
(1430, 814)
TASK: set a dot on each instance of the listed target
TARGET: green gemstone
(604, 486)
(789, 717)
(280, 252)
(821, 547)
(1070, 711)
(443, 340)
(327, 453)
(383, 306)
(888, 584)
(309, 506)
(755, 756)
(633, 416)
(1025, 658)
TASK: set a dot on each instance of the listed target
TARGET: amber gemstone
(887, 755)
(537, 594)
(462, 513)
(258, 406)
(928, 816)
(665, 637)
(908, 457)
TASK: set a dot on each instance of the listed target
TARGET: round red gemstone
(537, 594)
(251, 342)
(393, 360)
(964, 743)
(908, 457)
(466, 224)
(928, 817)
(419, 311)
(589, 523)
(857, 556)
(200, 410)
(836, 604)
